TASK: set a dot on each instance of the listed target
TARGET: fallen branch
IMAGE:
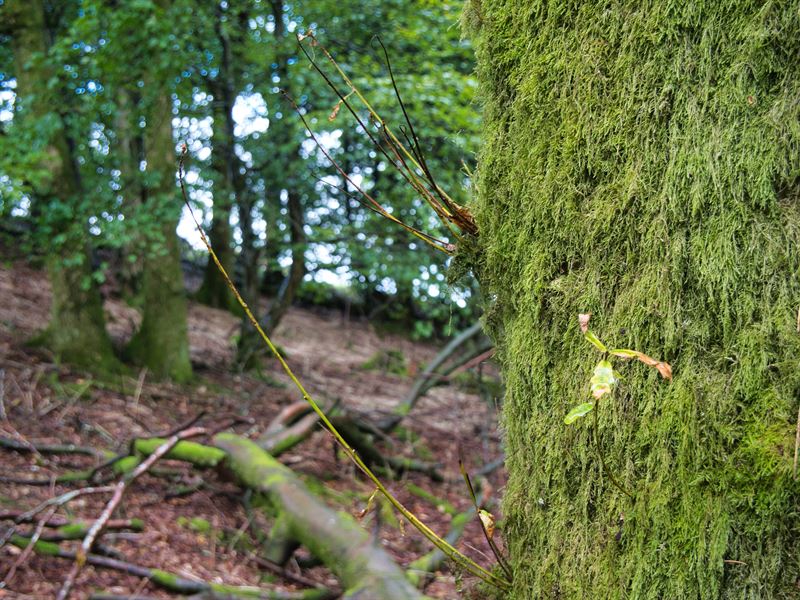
(29, 447)
(350, 430)
(336, 538)
(170, 581)
(119, 491)
(429, 376)
(27, 551)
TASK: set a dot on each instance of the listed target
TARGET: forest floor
(207, 534)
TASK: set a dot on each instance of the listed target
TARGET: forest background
(98, 101)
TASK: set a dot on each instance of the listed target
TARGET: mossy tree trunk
(642, 162)
(77, 325)
(162, 342)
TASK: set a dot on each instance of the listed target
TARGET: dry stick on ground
(286, 574)
(3, 415)
(119, 491)
(29, 447)
(53, 502)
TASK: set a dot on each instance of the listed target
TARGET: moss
(126, 464)
(40, 547)
(641, 161)
(197, 454)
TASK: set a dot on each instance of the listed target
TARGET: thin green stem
(459, 558)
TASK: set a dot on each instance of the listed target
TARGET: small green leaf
(625, 353)
(592, 338)
(579, 411)
(603, 379)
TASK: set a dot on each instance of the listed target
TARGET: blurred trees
(50, 171)
(100, 104)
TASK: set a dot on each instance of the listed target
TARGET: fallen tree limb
(350, 430)
(364, 569)
(429, 376)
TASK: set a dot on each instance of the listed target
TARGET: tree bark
(640, 162)
(229, 184)
(77, 324)
(297, 271)
(162, 342)
(279, 176)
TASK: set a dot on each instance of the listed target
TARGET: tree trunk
(77, 324)
(229, 183)
(162, 342)
(279, 177)
(130, 148)
(641, 163)
(297, 271)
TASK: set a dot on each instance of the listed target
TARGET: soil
(207, 534)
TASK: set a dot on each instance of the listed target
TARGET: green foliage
(640, 162)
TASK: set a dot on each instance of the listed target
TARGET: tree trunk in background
(641, 163)
(229, 184)
(280, 134)
(130, 147)
(297, 271)
(162, 343)
(77, 324)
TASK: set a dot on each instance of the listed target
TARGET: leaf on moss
(592, 338)
(583, 320)
(664, 368)
(603, 379)
(579, 411)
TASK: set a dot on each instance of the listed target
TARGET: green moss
(197, 454)
(642, 162)
(126, 464)
(40, 547)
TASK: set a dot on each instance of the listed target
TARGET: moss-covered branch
(336, 538)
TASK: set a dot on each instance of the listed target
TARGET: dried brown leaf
(335, 111)
(665, 369)
(583, 320)
(487, 519)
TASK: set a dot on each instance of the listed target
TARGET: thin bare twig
(116, 498)
(3, 415)
(285, 573)
(489, 539)
(139, 386)
(54, 502)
